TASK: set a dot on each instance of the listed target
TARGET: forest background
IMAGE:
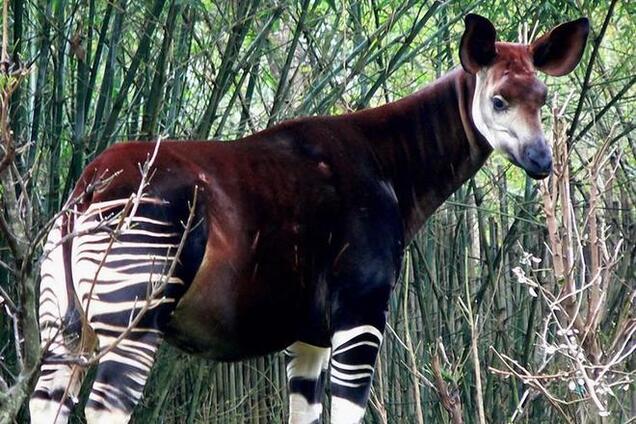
(516, 301)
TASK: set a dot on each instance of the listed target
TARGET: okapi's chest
(273, 217)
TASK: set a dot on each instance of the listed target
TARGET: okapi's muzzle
(536, 159)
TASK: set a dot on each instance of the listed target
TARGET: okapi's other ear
(559, 51)
(477, 48)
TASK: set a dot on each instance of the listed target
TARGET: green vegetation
(86, 74)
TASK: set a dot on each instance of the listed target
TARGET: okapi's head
(508, 95)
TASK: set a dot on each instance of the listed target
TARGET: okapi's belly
(228, 315)
(227, 333)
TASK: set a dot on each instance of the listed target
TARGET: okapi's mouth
(537, 176)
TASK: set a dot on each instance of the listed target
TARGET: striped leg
(352, 363)
(121, 377)
(114, 290)
(306, 372)
(57, 389)
(58, 385)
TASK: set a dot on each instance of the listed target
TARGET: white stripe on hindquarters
(53, 296)
(115, 269)
(132, 260)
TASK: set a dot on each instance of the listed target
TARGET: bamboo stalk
(141, 56)
(154, 99)
(283, 83)
(237, 36)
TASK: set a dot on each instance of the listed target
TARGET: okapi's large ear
(477, 48)
(559, 51)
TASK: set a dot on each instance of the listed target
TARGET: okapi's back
(117, 171)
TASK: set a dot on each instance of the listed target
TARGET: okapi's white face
(508, 96)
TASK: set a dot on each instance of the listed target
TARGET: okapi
(297, 236)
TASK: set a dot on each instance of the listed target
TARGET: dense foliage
(475, 281)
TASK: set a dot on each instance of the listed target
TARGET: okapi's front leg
(306, 373)
(355, 347)
(352, 364)
(363, 277)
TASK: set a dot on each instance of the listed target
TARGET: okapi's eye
(499, 104)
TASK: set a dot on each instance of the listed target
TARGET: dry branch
(450, 398)
(571, 342)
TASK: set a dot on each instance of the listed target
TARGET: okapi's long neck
(427, 145)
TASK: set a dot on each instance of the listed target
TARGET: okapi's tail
(62, 330)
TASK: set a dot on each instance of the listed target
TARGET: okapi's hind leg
(306, 373)
(58, 384)
(129, 285)
(120, 378)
